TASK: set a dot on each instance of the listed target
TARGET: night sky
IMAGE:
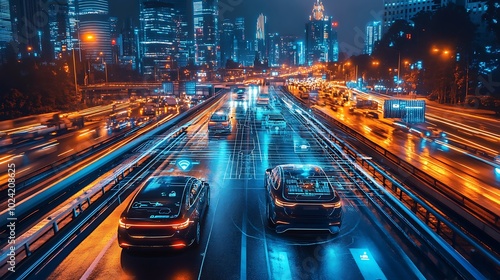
(290, 16)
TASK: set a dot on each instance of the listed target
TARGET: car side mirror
(268, 170)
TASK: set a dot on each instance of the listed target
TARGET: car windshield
(306, 183)
(160, 198)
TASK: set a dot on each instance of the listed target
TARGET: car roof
(168, 188)
(305, 181)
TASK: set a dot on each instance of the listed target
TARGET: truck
(171, 103)
(149, 109)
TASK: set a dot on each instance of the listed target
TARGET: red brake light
(182, 225)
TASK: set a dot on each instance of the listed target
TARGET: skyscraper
(59, 28)
(406, 9)
(5, 25)
(373, 34)
(240, 47)
(206, 35)
(321, 38)
(260, 37)
(273, 48)
(129, 45)
(160, 25)
(288, 50)
(30, 33)
(95, 30)
(227, 42)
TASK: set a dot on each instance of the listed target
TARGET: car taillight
(280, 203)
(182, 225)
(337, 204)
(124, 225)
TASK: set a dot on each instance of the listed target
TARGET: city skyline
(352, 17)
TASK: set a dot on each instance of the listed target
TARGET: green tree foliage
(441, 40)
(492, 17)
(30, 87)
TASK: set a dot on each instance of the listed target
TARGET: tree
(492, 17)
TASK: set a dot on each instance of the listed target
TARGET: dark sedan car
(300, 197)
(166, 212)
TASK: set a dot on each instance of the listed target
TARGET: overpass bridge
(94, 93)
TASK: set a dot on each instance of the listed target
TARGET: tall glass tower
(60, 37)
(227, 42)
(206, 35)
(240, 45)
(321, 38)
(373, 34)
(260, 37)
(5, 24)
(164, 36)
(95, 30)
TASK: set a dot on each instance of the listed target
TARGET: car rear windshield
(160, 198)
(307, 184)
(219, 117)
(276, 118)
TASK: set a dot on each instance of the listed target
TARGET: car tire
(197, 235)
(270, 222)
(208, 200)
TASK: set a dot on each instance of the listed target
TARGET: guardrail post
(27, 249)
(88, 200)
(55, 227)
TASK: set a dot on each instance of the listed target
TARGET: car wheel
(197, 236)
(208, 198)
(268, 216)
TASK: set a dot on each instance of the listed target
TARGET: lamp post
(74, 71)
(399, 67)
(106, 71)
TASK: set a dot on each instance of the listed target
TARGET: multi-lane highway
(237, 242)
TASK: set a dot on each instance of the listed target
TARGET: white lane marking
(65, 152)
(280, 266)
(266, 250)
(204, 254)
(367, 264)
(243, 265)
(98, 259)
